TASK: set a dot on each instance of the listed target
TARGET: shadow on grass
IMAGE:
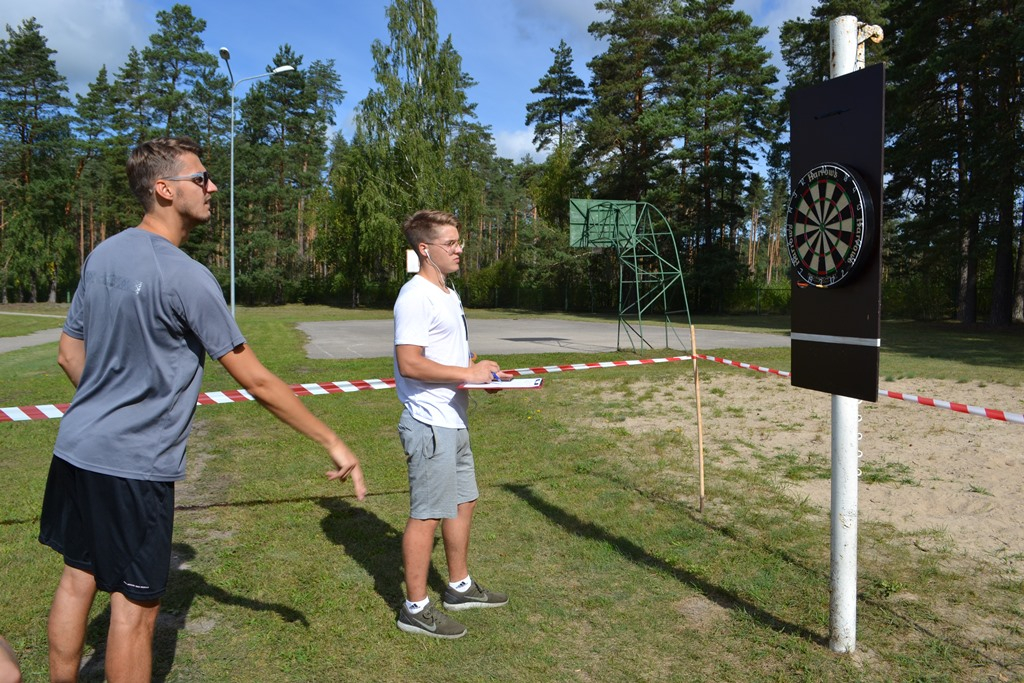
(971, 344)
(183, 587)
(375, 545)
(892, 611)
(636, 554)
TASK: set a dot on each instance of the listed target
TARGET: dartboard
(829, 227)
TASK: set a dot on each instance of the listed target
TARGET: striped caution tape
(318, 389)
(596, 365)
(33, 412)
(748, 366)
(46, 412)
(956, 407)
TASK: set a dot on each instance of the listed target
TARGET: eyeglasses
(449, 246)
(202, 179)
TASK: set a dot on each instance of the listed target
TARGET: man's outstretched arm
(277, 397)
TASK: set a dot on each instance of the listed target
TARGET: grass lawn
(613, 574)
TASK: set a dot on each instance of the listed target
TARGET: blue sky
(505, 44)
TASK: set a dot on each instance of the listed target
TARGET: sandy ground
(962, 475)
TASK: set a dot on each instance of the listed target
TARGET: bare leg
(130, 639)
(455, 532)
(417, 545)
(9, 670)
(66, 628)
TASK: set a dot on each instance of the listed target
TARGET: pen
(495, 376)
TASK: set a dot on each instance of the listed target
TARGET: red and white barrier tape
(594, 366)
(45, 412)
(956, 407)
(318, 389)
(1003, 415)
(748, 366)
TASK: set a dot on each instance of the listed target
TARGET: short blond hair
(422, 226)
(155, 159)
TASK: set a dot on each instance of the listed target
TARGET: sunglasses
(202, 179)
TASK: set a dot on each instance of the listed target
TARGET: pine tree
(35, 149)
(175, 61)
(99, 171)
(133, 102)
(565, 95)
(954, 120)
(630, 128)
(282, 150)
(721, 82)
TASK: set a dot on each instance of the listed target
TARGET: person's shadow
(183, 586)
(374, 544)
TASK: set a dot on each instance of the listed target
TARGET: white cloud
(516, 144)
(85, 35)
(542, 22)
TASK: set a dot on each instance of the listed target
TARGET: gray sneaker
(475, 596)
(430, 622)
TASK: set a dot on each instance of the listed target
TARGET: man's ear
(163, 190)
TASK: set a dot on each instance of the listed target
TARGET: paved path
(373, 338)
(35, 339)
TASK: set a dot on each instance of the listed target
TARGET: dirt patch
(957, 479)
(701, 613)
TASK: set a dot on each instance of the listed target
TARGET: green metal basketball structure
(648, 255)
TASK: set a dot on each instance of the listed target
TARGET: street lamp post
(226, 56)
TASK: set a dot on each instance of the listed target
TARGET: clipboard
(514, 383)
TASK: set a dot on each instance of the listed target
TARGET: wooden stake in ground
(700, 422)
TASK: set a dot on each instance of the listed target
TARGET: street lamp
(226, 56)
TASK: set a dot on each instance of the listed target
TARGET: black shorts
(118, 530)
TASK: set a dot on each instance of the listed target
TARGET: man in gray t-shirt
(142, 321)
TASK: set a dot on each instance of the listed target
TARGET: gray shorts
(441, 472)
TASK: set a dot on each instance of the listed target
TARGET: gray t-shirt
(148, 314)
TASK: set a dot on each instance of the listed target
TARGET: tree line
(683, 110)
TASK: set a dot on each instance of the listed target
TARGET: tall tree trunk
(1005, 182)
(774, 237)
(81, 232)
(1002, 279)
(967, 289)
(301, 230)
(1018, 290)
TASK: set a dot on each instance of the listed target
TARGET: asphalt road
(373, 338)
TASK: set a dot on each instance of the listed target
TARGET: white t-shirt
(427, 316)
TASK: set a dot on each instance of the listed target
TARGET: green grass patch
(587, 518)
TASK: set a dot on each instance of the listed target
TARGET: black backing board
(841, 121)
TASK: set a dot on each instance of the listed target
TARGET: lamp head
(283, 68)
(225, 54)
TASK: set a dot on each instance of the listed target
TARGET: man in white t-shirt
(432, 358)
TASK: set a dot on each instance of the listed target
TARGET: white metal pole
(232, 230)
(842, 34)
(843, 580)
(225, 54)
